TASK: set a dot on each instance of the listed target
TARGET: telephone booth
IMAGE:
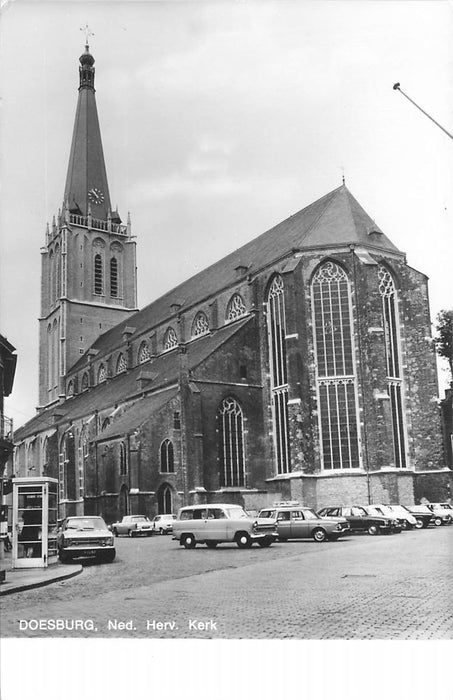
(34, 535)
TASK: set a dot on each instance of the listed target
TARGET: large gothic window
(113, 277)
(236, 308)
(98, 274)
(394, 375)
(170, 339)
(200, 325)
(276, 327)
(144, 353)
(167, 462)
(335, 368)
(230, 431)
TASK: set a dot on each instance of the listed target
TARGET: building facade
(301, 366)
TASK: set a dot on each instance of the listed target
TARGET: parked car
(361, 521)
(442, 515)
(133, 526)
(85, 536)
(422, 514)
(394, 524)
(163, 524)
(221, 522)
(297, 522)
(404, 517)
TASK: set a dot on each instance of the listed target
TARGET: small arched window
(70, 389)
(167, 464)
(144, 353)
(85, 381)
(200, 325)
(105, 424)
(170, 339)
(236, 308)
(102, 374)
(121, 365)
(113, 277)
(98, 274)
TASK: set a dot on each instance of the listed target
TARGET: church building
(301, 366)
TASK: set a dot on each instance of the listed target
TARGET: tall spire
(86, 181)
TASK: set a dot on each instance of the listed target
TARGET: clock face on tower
(95, 195)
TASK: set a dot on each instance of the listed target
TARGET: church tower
(88, 272)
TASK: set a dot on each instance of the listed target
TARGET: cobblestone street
(363, 587)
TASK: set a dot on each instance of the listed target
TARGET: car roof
(213, 505)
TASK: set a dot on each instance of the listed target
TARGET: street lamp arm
(397, 87)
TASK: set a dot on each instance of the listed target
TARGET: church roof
(86, 181)
(335, 219)
(160, 372)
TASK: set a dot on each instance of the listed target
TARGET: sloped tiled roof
(336, 218)
(137, 414)
(164, 370)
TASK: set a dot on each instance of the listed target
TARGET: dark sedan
(361, 521)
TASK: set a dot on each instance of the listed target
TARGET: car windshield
(140, 519)
(236, 513)
(85, 524)
(267, 514)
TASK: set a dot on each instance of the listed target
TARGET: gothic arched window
(70, 389)
(388, 294)
(167, 464)
(85, 381)
(121, 364)
(113, 277)
(105, 423)
(236, 308)
(200, 325)
(102, 374)
(170, 339)
(230, 431)
(335, 368)
(98, 274)
(276, 328)
(123, 461)
(144, 353)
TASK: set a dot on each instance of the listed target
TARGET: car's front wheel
(319, 535)
(419, 524)
(243, 540)
(373, 529)
(131, 533)
(265, 542)
(437, 522)
(189, 541)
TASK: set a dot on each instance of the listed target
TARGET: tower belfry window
(113, 277)
(98, 274)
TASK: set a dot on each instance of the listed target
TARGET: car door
(359, 518)
(284, 524)
(299, 525)
(216, 524)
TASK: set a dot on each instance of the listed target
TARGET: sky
(219, 120)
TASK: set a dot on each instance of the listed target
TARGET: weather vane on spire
(88, 33)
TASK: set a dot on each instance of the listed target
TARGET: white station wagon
(221, 522)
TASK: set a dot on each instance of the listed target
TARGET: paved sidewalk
(23, 579)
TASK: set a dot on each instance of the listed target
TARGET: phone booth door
(34, 522)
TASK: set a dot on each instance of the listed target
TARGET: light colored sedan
(298, 522)
(133, 526)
